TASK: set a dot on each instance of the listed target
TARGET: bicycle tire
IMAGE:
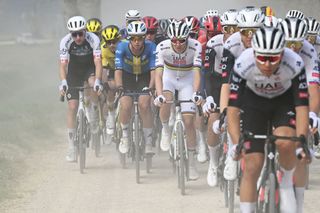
(137, 147)
(82, 145)
(231, 195)
(182, 163)
(272, 207)
(307, 176)
(96, 142)
(148, 162)
(225, 192)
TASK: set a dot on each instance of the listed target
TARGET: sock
(165, 127)
(202, 137)
(147, 133)
(191, 154)
(213, 153)
(246, 207)
(124, 128)
(230, 145)
(300, 198)
(286, 181)
(288, 202)
(71, 133)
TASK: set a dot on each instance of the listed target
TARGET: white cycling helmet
(250, 17)
(295, 14)
(271, 21)
(178, 29)
(76, 23)
(268, 40)
(313, 25)
(211, 13)
(229, 17)
(133, 15)
(136, 28)
(294, 29)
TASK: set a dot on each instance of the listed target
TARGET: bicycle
(268, 186)
(136, 139)
(179, 151)
(82, 136)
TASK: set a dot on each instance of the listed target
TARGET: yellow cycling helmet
(110, 32)
(94, 25)
(267, 11)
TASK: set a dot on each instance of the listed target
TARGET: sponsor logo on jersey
(233, 96)
(303, 95)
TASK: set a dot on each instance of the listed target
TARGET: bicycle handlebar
(79, 88)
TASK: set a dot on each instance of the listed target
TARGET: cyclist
(295, 31)
(194, 26)
(313, 34)
(152, 27)
(271, 21)
(94, 25)
(80, 61)
(178, 64)
(268, 84)
(249, 20)
(213, 81)
(130, 16)
(111, 37)
(162, 30)
(135, 62)
(211, 13)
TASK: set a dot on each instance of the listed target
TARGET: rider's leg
(110, 121)
(93, 107)
(287, 161)
(212, 141)
(201, 138)
(124, 117)
(164, 117)
(147, 120)
(299, 184)
(71, 125)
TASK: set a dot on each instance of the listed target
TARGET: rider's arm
(159, 63)
(98, 66)
(237, 86)
(300, 94)
(152, 65)
(312, 72)
(118, 65)
(63, 69)
(64, 59)
(197, 63)
(209, 64)
(227, 62)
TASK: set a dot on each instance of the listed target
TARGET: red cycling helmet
(193, 23)
(213, 25)
(151, 23)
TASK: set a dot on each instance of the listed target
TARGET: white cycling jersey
(275, 85)
(311, 61)
(178, 69)
(215, 44)
(89, 48)
(234, 44)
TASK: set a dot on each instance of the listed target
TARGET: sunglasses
(273, 59)
(114, 41)
(193, 35)
(248, 31)
(312, 38)
(137, 38)
(152, 32)
(294, 44)
(79, 33)
(230, 29)
(178, 40)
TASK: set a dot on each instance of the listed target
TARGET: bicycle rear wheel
(96, 143)
(181, 158)
(272, 204)
(82, 142)
(148, 162)
(230, 189)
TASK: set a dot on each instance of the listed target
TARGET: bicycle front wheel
(272, 205)
(181, 159)
(231, 196)
(82, 141)
(137, 147)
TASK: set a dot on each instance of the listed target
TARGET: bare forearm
(314, 98)
(63, 71)
(196, 80)
(98, 65)
(152, 79)
(158, 81)
(302, 120)
(224, 97)
(233, 119)
(118, 77)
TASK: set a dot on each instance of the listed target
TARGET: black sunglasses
(75, 34)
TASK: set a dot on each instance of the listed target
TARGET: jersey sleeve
(152, 60)
(197, 61)
(95, 44)
(64, 50)
(209, 60)
(104, 55)
(227, 62)
(119, 56)
(300, 89)
(159, 62)
(237, 86)
(312, 68)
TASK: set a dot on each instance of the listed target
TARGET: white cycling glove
(63, 85)
(215, 127)
(159, 100)
(314, 119)
(97, 86)
(196, 98)
(209, 106)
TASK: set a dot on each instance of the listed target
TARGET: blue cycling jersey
(127, 62)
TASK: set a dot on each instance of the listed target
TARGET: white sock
(71, 133)
(288, 202)
(147, 133)
(191, 158)
(300, 198)
(230, 145)
(246, 207)
(202, 136)
(124, 128)
(286, 181)
(165, 127)
(213, 153)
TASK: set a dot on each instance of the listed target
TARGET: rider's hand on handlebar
(98, 87)
(209, 106)
(216, 127)
(301, 155)
(63, 87)
(119, 91)
(197, 98)
(314, 122)
(159, 100)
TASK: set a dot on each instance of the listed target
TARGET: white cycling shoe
(230, 169)
(71, 155)
(165, 141)
(212, 177)
(193, 172)
(202, 153)
(149, 148)
(288, 202)
(124, 145)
